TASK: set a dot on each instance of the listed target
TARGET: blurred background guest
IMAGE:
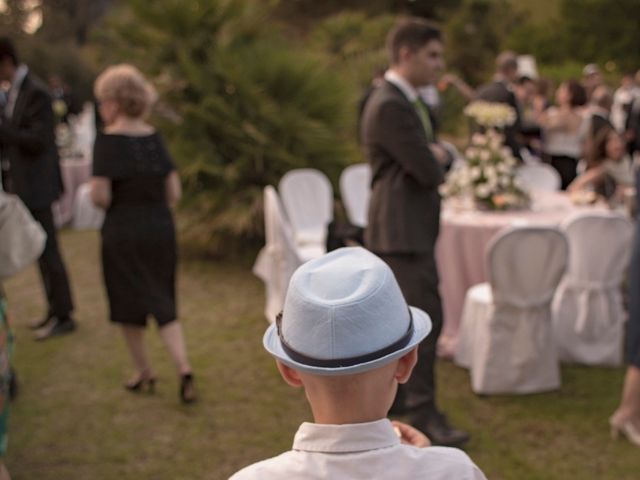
(135, 180)
(591, 79)
(31, 171)
(562, 126)
(609, 169)
(626, 419)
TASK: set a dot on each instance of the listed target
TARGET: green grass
(73, 420)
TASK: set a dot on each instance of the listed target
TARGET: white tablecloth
(464, 236)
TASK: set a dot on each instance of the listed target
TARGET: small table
(460, 251)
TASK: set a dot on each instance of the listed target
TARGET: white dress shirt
(405, 87)
(365, 451)
(14, 90)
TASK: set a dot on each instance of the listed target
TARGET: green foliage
(249, 105)
(65, 59)
(474, 36)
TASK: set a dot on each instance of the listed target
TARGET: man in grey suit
(399, 140)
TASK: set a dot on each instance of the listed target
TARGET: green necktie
(423, 113)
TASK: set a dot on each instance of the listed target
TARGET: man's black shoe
(55, 328)
(440, 432)
(38, 324)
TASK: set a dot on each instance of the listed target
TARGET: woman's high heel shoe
(187, 388)
(142, 384)
(627, 429)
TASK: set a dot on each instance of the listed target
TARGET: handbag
(22, 239)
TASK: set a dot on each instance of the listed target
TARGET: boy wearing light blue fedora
(347, 336)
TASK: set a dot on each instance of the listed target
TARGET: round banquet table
(464, 236)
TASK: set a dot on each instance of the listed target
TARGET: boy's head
(345, 326)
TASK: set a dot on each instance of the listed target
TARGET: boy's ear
(289, 374)
(405, 366)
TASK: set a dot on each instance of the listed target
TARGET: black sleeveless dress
(138, 234)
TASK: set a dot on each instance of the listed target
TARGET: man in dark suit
(398, 137)
(31, 171)
(500, 90)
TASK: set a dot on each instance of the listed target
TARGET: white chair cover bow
(355, 189)
(278, 259)
(588, 312)
(505, 334)
(539, 176)
(307, 197)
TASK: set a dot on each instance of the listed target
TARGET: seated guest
(562, 130)
(609, 169)
(347, 336)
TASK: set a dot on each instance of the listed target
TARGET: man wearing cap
(404, 211)
(347, 336)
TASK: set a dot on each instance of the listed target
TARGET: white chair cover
(505, 335)
(355, 189)
(307, 197)
(588, 312)
(278, 259)
(86, 216)
(539, 176)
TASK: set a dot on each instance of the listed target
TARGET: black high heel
(142, 384)
(187, 388)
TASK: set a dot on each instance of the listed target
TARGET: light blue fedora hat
(344, 313)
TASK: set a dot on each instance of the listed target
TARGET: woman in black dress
(135, 180)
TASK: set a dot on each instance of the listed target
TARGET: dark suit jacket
(28, 141)
(498, 92)
(404, 210)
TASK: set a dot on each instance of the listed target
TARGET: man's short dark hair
(7, 50)
(413, 33)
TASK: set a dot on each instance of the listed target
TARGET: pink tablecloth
(464, 236)
(75, 172)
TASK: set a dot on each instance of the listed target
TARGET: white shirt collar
(357, 437)
(405, 87)
(16, 83)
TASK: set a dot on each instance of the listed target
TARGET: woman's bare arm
(173, 190)
(100, 191)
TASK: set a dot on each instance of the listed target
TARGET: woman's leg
(629, 408)
(173, 338)
(4, 473)
(134, 337)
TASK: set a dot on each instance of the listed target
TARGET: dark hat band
(343, 362)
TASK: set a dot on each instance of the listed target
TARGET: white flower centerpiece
(488, 176)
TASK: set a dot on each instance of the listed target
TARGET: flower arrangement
(490, 114)
(488, 176)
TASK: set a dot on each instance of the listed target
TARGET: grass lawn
(73, 420)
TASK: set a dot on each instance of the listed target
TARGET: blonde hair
(126, 85)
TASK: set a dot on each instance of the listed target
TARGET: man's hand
(442, 156)
(410, 436)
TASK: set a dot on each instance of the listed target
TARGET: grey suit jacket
(28, 140)
(404, 211)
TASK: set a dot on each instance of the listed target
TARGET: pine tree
(245, 105)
